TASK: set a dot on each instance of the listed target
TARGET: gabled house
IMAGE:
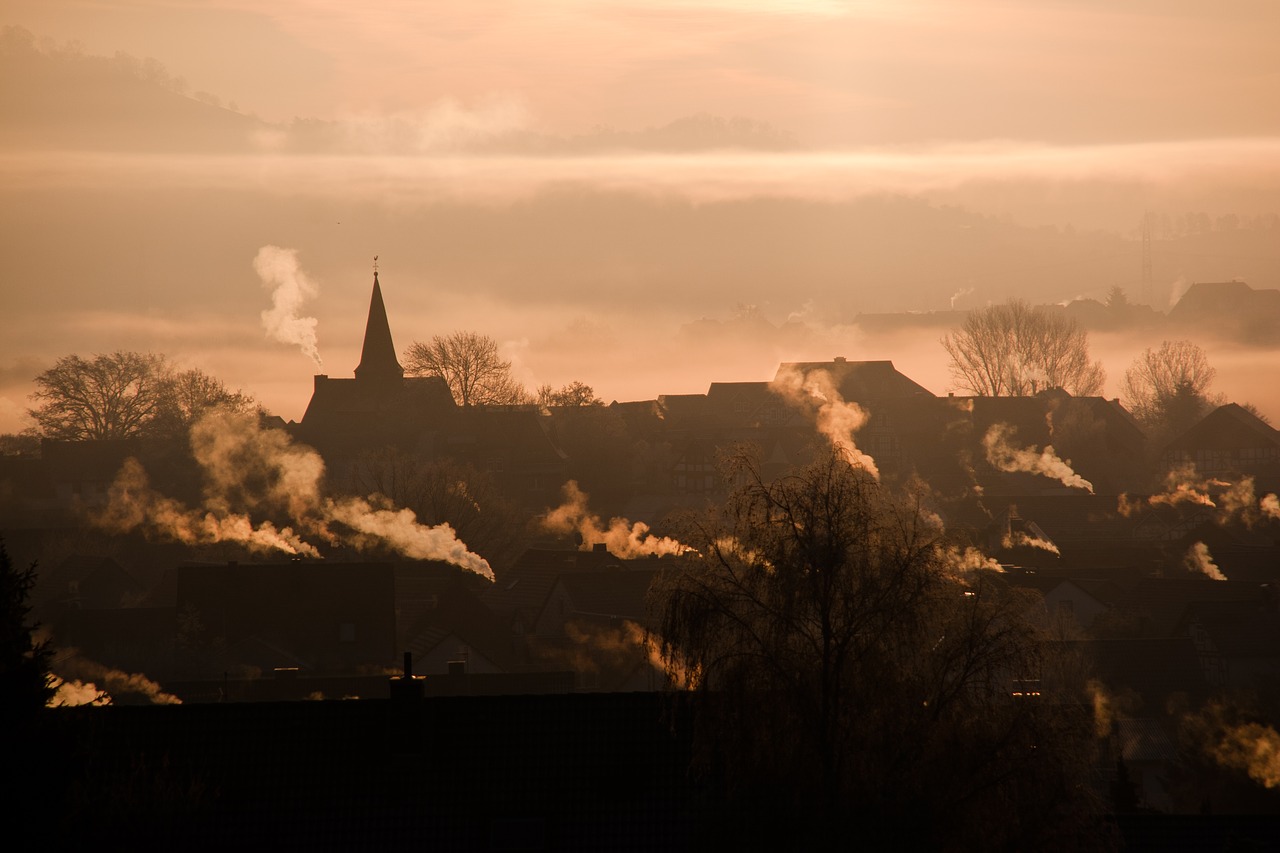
(441, 622)
(1231, 309)
(1230, 441)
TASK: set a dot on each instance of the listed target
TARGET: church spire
(378, 358)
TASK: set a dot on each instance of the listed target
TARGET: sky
(619, 192)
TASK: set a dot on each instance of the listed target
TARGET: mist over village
(692, 426)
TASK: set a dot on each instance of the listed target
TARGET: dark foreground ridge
(558, 772)
(552, 772)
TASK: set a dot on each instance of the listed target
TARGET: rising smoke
(248, 469)
(1231, 501)
(279, 269)
(1198, 559)
(835, 418)
(621, 537)
(1019, 539)
(1046, 463)
(81, 681)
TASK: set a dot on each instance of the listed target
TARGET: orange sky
(898, 156)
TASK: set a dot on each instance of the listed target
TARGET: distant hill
(63, 99)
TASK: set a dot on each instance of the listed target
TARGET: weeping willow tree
(857, 674)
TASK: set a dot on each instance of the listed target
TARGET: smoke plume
(621, 537)
(966, 560)
(133, 505)
(1233, 501)
(77, 680)
(835, 418)
(1019, 539)
(1046, 463)
(278, 268)
(1199, 559)
(1253, 748)
(399, 529)
(248, 469)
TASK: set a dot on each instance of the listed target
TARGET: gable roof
(861, 381)
(1228, 426)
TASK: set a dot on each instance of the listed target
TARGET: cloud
(821, 175)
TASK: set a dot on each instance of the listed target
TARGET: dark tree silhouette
(1167, 388)
(1013, 350)
(855, 681)
(576, 393)
(24, 663)
(471, 365)
(124, 395)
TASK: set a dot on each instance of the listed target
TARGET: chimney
(407, 687)
(600, 548)
(840, 359)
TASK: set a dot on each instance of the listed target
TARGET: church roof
(378, 357)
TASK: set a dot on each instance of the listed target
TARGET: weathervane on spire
(375, 265)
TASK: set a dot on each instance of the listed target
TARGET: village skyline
(799, 162)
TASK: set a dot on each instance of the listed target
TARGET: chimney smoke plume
(835, 418)
(621, 537)
(1046, 463)
(279, 270)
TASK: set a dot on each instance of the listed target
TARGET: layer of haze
(647, 197)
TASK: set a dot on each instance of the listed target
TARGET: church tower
(378, 361)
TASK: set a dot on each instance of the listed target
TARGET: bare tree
(124, 395)
(1013, 350)
(1168, 388)
(471, 365)
(851, 674)
(576, 393)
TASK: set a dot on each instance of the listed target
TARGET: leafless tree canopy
(471, 365)
(837, 647)
(1014, 350)
(576, 393)
(1169, 386)
(124, 395)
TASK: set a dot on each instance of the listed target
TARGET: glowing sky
(582, 243)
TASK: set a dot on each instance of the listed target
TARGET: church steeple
(378, 357)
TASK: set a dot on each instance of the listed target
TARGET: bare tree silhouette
(471, 365)
(1013, 350)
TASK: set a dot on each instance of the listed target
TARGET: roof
(1228, 426)
(861, 381)
(378, 356)
(525, 586)
(1144, 740)
(611, 594)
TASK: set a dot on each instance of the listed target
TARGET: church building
(380, 409)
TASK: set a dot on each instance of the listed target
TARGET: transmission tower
(1146, 258)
